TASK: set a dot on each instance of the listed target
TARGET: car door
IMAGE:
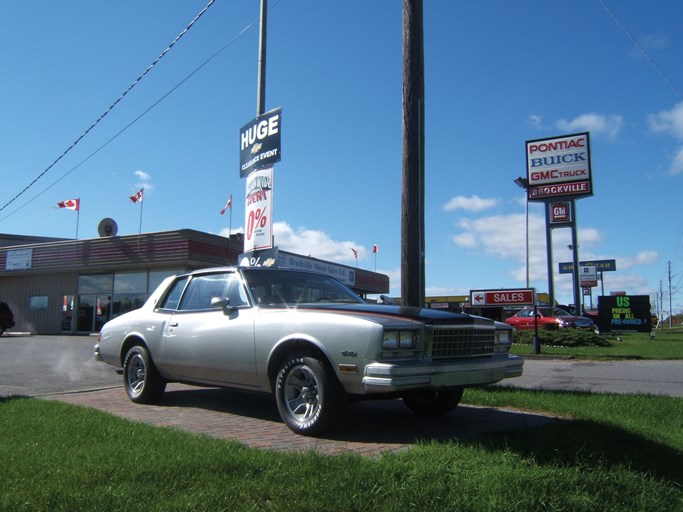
(212, 344)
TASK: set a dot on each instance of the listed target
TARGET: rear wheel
(433, 403)
(141, 379)
(308, 396)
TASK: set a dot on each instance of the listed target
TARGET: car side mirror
(221, 302)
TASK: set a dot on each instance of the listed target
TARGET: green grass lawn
(665, 344)
(607, 453)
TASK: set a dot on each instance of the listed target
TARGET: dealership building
(66, 286)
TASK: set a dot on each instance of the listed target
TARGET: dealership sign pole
(558, 173)
(259, 149)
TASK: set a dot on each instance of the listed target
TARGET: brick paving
(369, 428)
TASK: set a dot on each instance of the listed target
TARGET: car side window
(173, 296)
(203, 288)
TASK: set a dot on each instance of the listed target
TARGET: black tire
(309, 397)
(433, 403)
(141, 379)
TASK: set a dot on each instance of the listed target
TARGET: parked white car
(305, 337)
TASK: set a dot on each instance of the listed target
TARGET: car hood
(425, 315)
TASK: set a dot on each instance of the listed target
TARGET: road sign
(502, 297)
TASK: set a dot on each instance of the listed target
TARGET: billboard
(624, 313)
(559, 168)
(260, 142)
(567, 267)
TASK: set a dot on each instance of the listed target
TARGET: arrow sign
(503, 297)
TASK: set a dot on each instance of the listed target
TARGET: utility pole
(668, 267)
(261, 92)
(412, 158)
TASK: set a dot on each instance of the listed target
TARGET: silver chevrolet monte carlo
(305, 337)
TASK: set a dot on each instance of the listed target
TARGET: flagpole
(78, 217)
(141, 206)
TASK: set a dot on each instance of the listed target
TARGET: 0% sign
(256, 219)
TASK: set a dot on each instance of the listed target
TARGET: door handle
(174, 324)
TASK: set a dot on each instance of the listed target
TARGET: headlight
(503, 337)
(399, 339)
(390, 340)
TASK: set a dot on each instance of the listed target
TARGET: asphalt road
(41, 365)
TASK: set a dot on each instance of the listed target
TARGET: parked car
(6, 318)
(549, 318)
(304, 337)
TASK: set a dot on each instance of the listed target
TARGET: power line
(111, 107)
(140, 116)
(642, 50)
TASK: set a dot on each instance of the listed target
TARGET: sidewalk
(369, 428)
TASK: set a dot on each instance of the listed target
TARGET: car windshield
(273, 287)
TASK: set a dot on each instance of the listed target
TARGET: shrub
(564, 338)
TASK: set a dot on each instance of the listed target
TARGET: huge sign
(260, 142)
(624, 313)
(258, 208)
(502, 297)
(559, 167)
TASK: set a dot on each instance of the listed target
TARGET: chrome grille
(453, 342)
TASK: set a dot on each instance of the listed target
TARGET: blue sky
(497, 73)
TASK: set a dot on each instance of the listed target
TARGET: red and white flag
(137, 196)
(70, 204)
(375, 249)
(355, 253)
(227, 206)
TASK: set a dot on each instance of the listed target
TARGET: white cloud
(676, 166)
(669, 122)
(535, 121)
(315, 243)
(594, 123)
(472, 204)
(642, 258)
(143, 180)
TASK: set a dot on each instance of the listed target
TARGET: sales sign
(559, 167)
(260, 142)
(502, 297)
(258, 232)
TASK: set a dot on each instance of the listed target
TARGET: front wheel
(433, 403)
(141, 379)
(308, 396)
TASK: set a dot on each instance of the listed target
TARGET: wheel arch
(296, 345)
(131, 341)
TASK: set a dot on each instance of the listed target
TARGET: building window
(37, 303)
(95, 283)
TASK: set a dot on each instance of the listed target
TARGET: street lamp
(523, 183)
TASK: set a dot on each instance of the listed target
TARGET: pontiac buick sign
(260, 142)
(559, 167)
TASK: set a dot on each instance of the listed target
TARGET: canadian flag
(70, 204)
(137, 196)
(375, 249)
(227, 206)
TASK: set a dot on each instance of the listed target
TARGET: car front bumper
(389, 377)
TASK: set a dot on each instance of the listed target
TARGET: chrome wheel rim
(301, 393)
(136, 372)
